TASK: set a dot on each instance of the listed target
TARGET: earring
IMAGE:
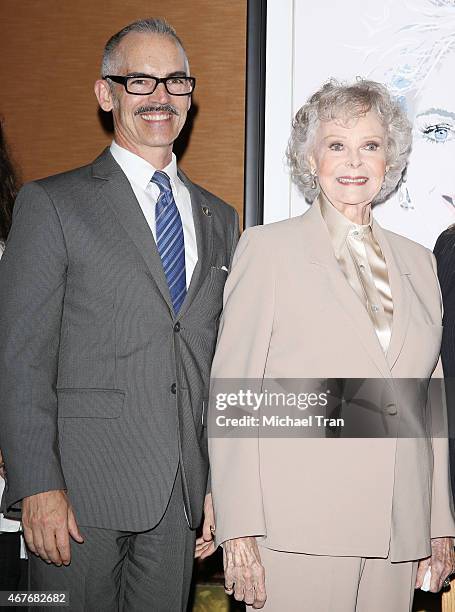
(404, 199)
(313, 181)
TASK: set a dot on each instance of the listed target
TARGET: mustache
(156, 108)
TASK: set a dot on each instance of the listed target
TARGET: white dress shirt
(139, 173)
(6, 524)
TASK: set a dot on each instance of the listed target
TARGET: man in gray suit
(111, 289)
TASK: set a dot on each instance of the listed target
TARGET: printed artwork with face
(418, 68)
(409, 47)
(433, 155)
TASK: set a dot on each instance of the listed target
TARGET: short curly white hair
(336, 100)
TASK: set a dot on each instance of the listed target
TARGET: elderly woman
(351, 523)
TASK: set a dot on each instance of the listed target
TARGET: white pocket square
(221, 268)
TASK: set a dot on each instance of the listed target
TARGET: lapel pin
(206, 210)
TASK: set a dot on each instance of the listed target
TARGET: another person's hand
(2, 466)
(48, 521)
(442, 563)
(205, 545)
(244, 574)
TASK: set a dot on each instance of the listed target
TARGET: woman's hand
(244, 574)
(442, 563)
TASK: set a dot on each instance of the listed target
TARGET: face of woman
(350, 160)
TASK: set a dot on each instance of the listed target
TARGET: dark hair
(8, 188)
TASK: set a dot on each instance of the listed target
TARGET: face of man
(146, 125)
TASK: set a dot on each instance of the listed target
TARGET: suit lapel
(203, 220)
(320, 252)
(401, 296)
(118, 194)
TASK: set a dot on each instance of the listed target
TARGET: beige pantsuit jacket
(289, 312)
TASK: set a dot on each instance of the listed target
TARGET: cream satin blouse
(363, 264)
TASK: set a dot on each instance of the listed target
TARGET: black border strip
(255, 113)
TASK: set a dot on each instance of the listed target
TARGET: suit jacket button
(391, 409)
(173, 388)
(177, 327)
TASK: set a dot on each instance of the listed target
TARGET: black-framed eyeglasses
(145, 84)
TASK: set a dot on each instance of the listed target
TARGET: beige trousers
(309, 583)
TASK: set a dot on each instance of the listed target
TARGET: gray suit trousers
(126, 571)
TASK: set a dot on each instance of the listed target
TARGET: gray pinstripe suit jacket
(102, 389)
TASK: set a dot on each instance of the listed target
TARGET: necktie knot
(163, 182)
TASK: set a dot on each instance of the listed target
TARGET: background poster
(407, 45)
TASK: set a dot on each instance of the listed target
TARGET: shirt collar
(139, 171)
(339, 226)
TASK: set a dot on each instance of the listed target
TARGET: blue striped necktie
(169, 240)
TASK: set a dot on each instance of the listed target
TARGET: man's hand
(2, 466)
(48, 521)
(442, 563)
(205, 545)
(244, 574)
